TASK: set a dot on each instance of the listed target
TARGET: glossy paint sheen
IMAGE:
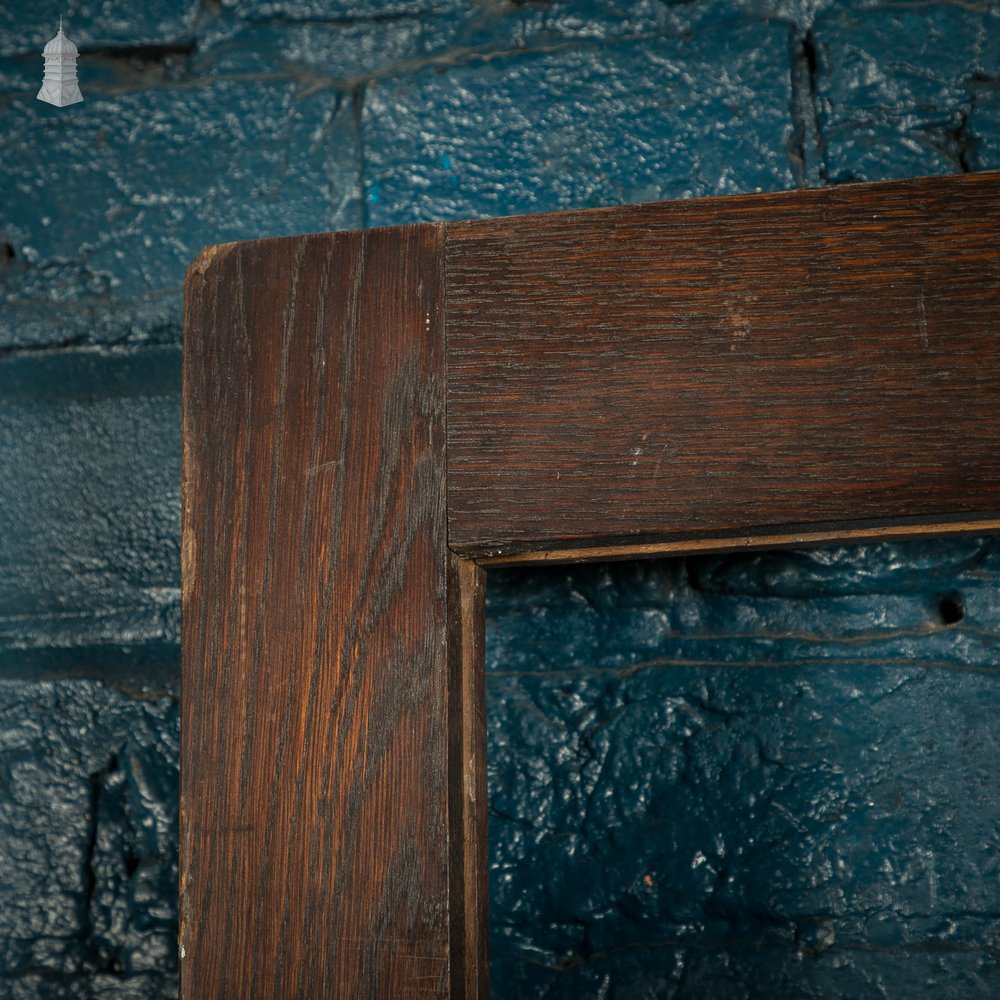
(758, 774)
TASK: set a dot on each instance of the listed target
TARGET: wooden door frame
(372, 418)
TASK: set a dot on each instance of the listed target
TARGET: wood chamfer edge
(764, 539)
(468, 885)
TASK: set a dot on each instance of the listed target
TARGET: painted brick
(324, 55)
(655, 973)
(342, 10)
(88, 824)
(896, 88)
(984, 123)
(90, 497)
(624, 122)
(760, 775)
(789, 749)
(107, 205)
(25, 28)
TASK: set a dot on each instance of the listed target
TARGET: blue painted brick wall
(764, 775)
(758, 775)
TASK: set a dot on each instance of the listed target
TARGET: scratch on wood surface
(659, 461)
(922, 318)
(323, 465)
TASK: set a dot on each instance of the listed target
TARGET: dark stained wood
(315, 771)
(723, 366)
(468, 791)
(775, 369)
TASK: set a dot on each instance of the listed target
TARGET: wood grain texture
(749, 364)
(315, 772)
(467, 780)
(773, 369)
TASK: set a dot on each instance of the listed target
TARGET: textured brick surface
(766, 775)
(26, 27)
(88, 837)
(899, 88)
(343, 10)
(90, 497)
(107, 208)
(747, 776)
(602, 124)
